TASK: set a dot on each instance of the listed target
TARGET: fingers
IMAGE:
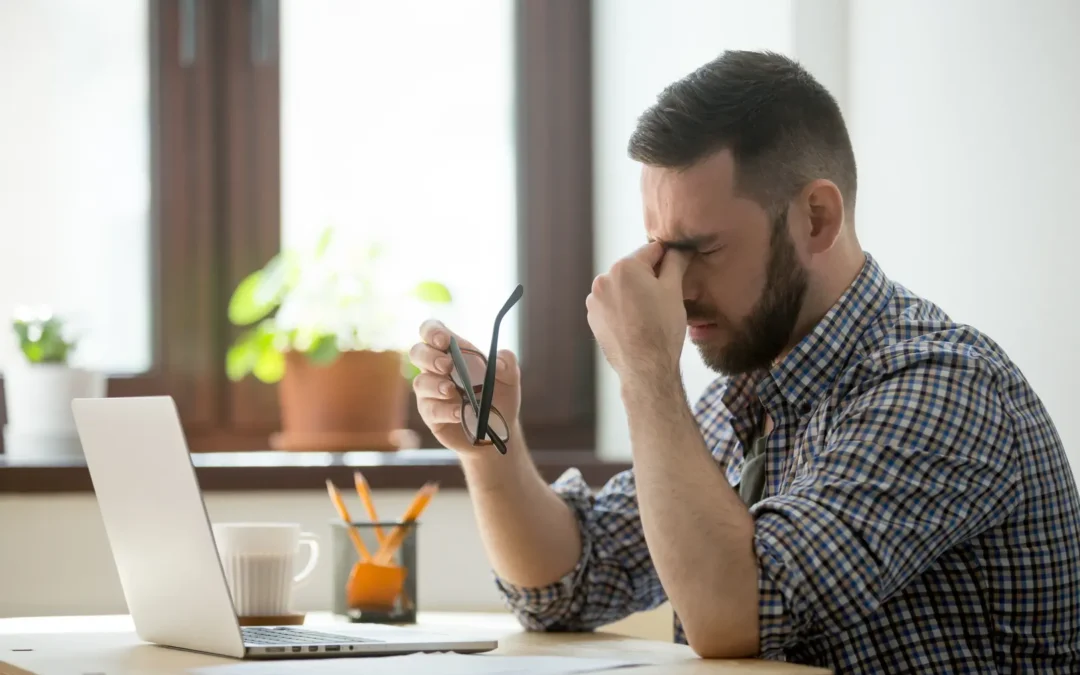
(437, 411)
(430, 359)
(673, 267)
(430, 385)
(507, 370)
(436, 398)
(650, 254)
(431, 355)
(434, 333)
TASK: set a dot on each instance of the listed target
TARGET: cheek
(725, 286)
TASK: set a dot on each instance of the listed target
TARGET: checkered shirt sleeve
(613, 578)
(920, 461)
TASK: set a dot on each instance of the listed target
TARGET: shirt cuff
(549, 607)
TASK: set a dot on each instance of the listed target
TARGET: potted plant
(325, 326)
(39, 389)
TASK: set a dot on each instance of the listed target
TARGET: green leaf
(42, 340)
(250, 349)
(248, 303)
(324, 350)
(270, 366)
(35, 353)
(241, 357)
(433, 292)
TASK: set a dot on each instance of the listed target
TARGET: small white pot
(40, 424)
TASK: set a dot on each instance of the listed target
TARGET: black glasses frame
(483, 407)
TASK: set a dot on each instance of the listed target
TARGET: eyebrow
(690, 243)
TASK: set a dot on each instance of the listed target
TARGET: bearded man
(867, 486)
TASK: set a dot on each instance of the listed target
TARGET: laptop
(167, 557)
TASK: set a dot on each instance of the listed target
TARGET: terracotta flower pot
(357, 402)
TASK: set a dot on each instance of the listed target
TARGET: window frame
(216, 215)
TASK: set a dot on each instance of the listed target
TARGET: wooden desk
(107, 645)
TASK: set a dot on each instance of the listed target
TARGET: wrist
(650, 385)
(486, 469)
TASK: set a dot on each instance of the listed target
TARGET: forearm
(530, 534)
(699, 532)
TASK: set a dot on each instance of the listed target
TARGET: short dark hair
(782, 127)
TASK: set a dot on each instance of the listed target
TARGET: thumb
(506, 368)
(650, 254)
(673, 267)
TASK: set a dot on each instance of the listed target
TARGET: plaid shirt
(919, 513)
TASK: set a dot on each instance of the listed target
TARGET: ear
(824, 208)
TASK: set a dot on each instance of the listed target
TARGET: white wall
(965, 117)
(641, 46)
(55, 558)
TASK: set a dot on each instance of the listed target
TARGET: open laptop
(167, 557)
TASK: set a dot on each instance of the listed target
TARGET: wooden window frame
(217, 217)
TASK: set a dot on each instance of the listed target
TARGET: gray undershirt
(752, 482)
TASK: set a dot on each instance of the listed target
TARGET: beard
(766, 332)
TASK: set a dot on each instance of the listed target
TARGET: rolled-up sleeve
(613, 578)
(917, 463)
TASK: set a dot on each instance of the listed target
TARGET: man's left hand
(636, 312)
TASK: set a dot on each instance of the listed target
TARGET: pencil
(397, 536)
(364, 491)
(339, 504)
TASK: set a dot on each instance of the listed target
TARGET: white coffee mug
(259, 559)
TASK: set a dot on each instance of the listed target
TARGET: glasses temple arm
(489, 375)
(463, 372)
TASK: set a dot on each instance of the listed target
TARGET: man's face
(744, 286)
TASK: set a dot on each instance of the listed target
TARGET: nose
(691, 283)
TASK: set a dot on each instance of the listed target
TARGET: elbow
(724, 649)
(723, 640)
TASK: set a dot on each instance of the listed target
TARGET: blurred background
(154, 153)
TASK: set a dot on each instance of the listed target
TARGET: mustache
(696, 311)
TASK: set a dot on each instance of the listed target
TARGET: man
(868, 486)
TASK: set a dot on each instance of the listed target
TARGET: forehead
(694, 202)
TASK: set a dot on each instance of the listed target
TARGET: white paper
(422, 664)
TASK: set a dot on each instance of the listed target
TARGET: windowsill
(272, 470)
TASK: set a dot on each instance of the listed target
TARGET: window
(75, 181)
(397, 123)
(460, 131)
(108, 193)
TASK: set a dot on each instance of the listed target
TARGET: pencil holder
(374, 591)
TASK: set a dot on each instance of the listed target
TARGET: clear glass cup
(367, 592)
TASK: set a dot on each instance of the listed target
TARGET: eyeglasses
(483, 423)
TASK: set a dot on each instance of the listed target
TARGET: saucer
(280, 620)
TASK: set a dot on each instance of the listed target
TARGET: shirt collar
(810, 369)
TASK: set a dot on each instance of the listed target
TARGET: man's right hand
(439, 401)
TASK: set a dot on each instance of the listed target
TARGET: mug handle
(312, 542)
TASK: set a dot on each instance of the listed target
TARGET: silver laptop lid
(157, 524)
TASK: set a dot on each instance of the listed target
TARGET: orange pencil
(364, 491)
(397, 536)
(339, 504)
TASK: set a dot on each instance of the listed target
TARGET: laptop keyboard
(257, 635)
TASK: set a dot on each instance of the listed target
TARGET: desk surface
(107, 644)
